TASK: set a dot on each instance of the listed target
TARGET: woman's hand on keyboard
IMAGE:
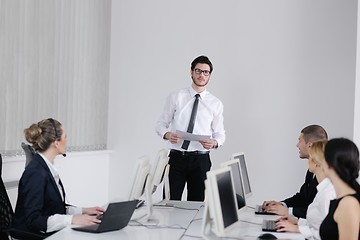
(93, 210)
(290, 219)
(286, 226)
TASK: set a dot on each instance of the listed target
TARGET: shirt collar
(323, 184)
(193, 92)
(52, 168)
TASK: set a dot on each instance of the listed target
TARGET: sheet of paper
(192, 137)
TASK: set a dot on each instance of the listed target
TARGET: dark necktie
(190, 129)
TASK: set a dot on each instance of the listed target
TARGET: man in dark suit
(297, 205)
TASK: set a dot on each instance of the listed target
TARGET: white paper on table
(192, 137)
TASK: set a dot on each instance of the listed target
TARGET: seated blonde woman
(319, 208)
(41, 206)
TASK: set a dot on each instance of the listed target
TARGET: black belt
(190, 153)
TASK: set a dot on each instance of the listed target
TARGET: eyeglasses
(199, 71)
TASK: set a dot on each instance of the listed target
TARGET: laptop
(116, 217)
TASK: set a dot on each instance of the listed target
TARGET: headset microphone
(64, 155)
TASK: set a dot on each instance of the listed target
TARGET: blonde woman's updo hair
(317, 152)
(43, 133)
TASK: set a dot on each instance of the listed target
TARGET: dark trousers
(191, 170)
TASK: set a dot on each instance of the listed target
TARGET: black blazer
(38, 197)
(302, 199)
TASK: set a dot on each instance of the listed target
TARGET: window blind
(54, 63)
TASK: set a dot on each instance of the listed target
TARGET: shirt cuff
(290, 208)
(305, 231)
(291, 211)
(68, 219)
(73, 210)
(57, 222)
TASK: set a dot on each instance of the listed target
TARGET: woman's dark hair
(43, 133)
(342, 155)
(202, 59)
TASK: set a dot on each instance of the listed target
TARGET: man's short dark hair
(314, 133)
(202, 59)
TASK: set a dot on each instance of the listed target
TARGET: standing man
(297, 205)
(195, 110)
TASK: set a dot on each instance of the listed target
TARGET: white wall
(357, 89)
(278, 66)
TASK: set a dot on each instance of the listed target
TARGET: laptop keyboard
(268, 225)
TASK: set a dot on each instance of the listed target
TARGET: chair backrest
(29, 152)
(6, 211)
(7, 215)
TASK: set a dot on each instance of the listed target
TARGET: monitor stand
(206, 223)
(148, 219)
(166, 183)
(166, 187)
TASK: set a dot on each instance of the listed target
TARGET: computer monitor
(141, 174)
(238, 183)
(221, 205)
(244, 173)
(159, 172)
(142, 184)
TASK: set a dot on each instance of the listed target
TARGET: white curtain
(54, 62)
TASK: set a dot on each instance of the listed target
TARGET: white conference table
(172, 222)
(178, 220)
(247, 228)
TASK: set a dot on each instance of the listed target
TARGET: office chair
(29, 152)
(7, 214)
